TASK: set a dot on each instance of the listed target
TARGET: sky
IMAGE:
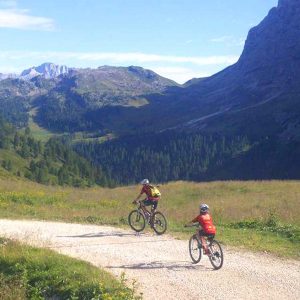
(178, 39)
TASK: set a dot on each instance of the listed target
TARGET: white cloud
(180, 75)
(130, 57)
(229, 40)
(21, 19)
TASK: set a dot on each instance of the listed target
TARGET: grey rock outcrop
(47, 70)
(274, 45)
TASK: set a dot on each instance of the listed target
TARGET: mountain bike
(137, 219)
(215, 255)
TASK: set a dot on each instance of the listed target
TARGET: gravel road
(161, 264)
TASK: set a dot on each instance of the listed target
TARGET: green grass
(78, 137)
(256, 215)
(18, 163)
(31, 273)
(38, 132)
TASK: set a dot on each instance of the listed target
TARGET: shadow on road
(175, 266)
(99, 234)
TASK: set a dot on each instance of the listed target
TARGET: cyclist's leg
(154, 206)
(202, 236)
(153, 210)
(146, 202)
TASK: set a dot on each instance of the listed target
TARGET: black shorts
(208, 235)
(148, 202)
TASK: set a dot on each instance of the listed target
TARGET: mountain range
(254, 105)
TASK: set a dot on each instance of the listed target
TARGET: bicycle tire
(134, 218)
(217, 257)
(160, 223)
(195, 249)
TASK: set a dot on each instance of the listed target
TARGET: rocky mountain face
(46, 70)
(259, 95)
(274, 46)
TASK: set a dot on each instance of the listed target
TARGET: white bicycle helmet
(204, 208)
(145, 181)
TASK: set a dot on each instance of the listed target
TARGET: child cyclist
(208, 229)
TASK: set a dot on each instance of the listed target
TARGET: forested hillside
(163, 157)
(49, 163)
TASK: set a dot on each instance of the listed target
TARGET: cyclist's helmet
(204, 208)
(145, 181)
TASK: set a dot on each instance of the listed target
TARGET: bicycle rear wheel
(136, 221)
(195, 249)
(216, 257)
(159, 223)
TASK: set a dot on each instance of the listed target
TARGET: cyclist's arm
(139, 196)
(192, 222)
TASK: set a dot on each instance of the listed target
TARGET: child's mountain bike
(137, 219)
(215, 254)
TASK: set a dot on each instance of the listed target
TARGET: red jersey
(206, 222)
(147, 190)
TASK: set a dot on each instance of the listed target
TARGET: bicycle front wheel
(159, 223)
(136, 221)
(216, 254)
(195, 249)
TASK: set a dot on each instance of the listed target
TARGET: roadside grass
(32, 273)
(256, 215)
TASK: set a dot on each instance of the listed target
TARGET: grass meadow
(31, 273)
(256, 215)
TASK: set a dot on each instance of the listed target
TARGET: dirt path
(161, 264)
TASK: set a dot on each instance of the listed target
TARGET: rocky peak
(47, 70)
(274, 43)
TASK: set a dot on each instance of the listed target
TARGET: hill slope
(50, 163)
(64, 99)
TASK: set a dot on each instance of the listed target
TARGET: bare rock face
(274, 45)
(46, 70)
(270, 62)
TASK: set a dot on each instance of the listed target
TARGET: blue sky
(179, 39)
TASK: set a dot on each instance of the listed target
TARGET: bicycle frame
(144, 210)
(205, 238)
(154, 218)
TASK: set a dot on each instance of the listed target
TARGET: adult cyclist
(152, 195)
